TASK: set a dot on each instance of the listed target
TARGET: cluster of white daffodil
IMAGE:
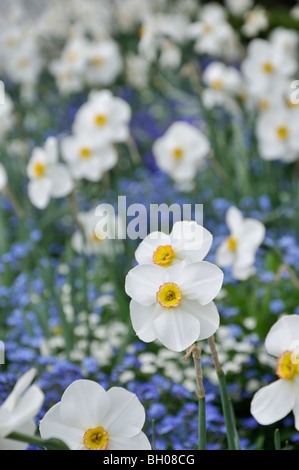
(88, 153)
(172, 288)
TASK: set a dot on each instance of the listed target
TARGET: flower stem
(232, 436)
(196, 354)
(50, 444)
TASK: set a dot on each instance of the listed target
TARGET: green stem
(196, 354)
(277, 444)
(50, 444)
(225, 401)
(202, 444)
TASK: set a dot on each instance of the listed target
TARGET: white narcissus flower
(238, 7)
(223, 83)
(212, 32)
(90, 418)
(48, 177)
(174, 305)
(188, 242)
(18, 411)
(275, 401)
(97, 237)
(239, 249)
(3, 177)
(277, 131)
(181, 151)
(256, 20)
(87, 158)
(104, 63)
(265, 65)
(103, 117)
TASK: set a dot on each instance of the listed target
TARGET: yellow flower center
(232, 243)
(163, 255)
(217, 84)
(178, 153)
(85, 152)
(23, 62)
(282, 132)
(96, 439)
(97, 61)
(72, 56)
(286, 367)
(100, 120)
(39, 169)
(96, 238)
(268, 67)
(169, 295)
(263, 104)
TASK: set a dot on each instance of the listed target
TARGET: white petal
(83, 404)
(61, 181)
(139, 442)
(126, 414)
(142, 318)
(143, 282)
(191, 240)
(51, 149)
(273, 402)
(254, 232)
(201, 281)
(177, 329)
(51, 426)
(39, 192)
(283, 335)
(234, 221)
(224, 256)
(207, 315)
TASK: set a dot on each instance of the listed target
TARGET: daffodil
(103, 117)
(90, 418)
(174, 305)
(188, 242)
(275, 401)
(18, 411)
(239, 248)
(86, 158)
(48, 177)
(181, 151)
(277, 131)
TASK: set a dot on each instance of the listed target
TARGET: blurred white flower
(103, 117)
(188, 242)
(223, 84)
(238, 7)
(103, 63)
(18, 411)
(181, 151)
(265, 66)
(285, 40)
(239, 249)
(256, 20)
(90, 418)
(87, 158)
(47, 177)
(212, 31)
(97, 237)
(174, 305)
(275, 401)
(277, 131)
